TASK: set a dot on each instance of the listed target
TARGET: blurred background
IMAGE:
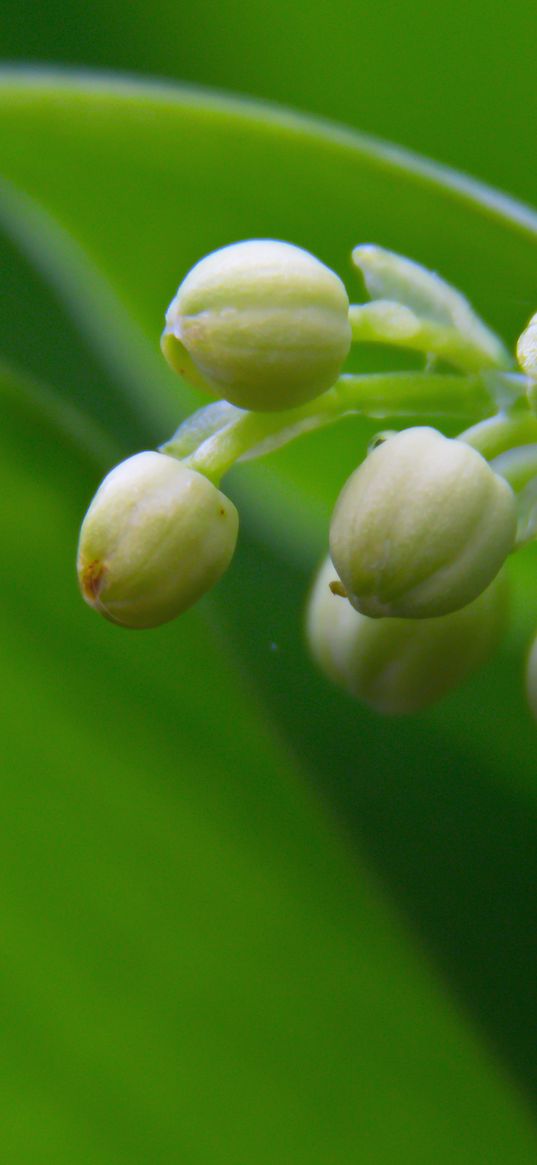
(242, 920)
(453, 81)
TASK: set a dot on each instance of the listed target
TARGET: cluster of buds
(265, 324)
(413, 596)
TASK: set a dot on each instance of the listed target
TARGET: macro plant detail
(413, 596)
(263, 322)
(421, 528)
(253, 915)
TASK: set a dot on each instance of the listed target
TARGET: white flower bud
(421, 527)
(264, 322)
(399, 666)
(157, 535)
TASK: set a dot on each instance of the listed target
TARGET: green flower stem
(384, 322)
(518, 466)
(509, 442)
(215, 438)
(501, 433)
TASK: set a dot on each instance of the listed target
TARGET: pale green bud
(531, 678)
(526, 349)
(398, 666)
(421, 527)
(264, 322)
(156, 537)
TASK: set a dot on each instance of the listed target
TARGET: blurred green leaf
(118, 213)
(199, 963)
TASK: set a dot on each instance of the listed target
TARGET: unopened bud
(526, 349)
(264, 322)
(421, 527)
(157, 535)
(399, 666)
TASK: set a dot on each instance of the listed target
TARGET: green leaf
(159, 176)
(201, 959)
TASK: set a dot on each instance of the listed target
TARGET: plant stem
(518, 466)
(383, 322)
(503, 432)
(218, 436)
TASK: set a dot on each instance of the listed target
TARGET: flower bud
(526, 349)
(421, 527)
(157, 535)
(264, 322)
(398, 666)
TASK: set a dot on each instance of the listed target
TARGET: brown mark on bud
(337, 588)
(92, 579)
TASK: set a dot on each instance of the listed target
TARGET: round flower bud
(264, 322)
(421, 527)
(398, 666)
(157, 535)
(531, 678)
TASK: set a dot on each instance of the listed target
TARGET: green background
(243, 919)
(454, 81)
